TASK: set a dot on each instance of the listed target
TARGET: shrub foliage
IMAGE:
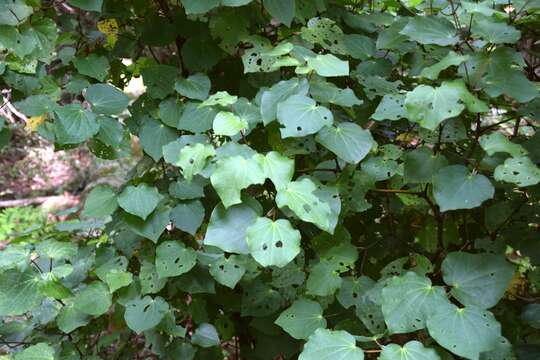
(320, 180)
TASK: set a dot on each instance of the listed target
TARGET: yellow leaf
(34, 121)
(109, 27)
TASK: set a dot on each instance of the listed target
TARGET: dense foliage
(320, 180)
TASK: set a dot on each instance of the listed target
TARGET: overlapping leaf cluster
(320, 179)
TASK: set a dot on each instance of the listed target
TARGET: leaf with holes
(466, 332)
(300, 197)
(477, 279)
(273, 243)
(145, 313)
(227, 270)
(302, 318)
(173, 258)
(301, 116)
(520, 171)
(193, 159)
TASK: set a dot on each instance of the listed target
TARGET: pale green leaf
(302, 116)
(273, 243)
(331, 345)
(233, 174)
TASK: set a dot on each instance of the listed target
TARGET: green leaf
(139, 200)
(14, 12)
(276, 167)
(519, 170)
(196, 119)
(359, 46)
(323, 280)
(88, 5)
(199, 6)
(221, 98)
(227, 228)
(101, 202)
(106, 99)
(431, 30)
(159, 80)
(55, 249)
(279, 93)
(324, 32)
(153, 136)
(413, 350)
(330, 345)
(260, 300)
(152, 227)
(455, 188)
(493, 31)
(300, 197)
(170, 111)
(429, 106)
(196, 86)
(193, 159)
(151, 282)
(451, 59)
(205, 336)
(477, 279)
(273, 243)
(19, 292)
(466, 332)
(282, 10)
(74, 125)
(40, 351)
(351, 289)
(228, 124)
(95, 299)
(302, 116)
(391, 107)
(173, 258)
(302, 319)
(347, 140)
(70, 318)
(117, 279)
(188, 216)
(531, 315)
(326, 92)
(227, 271)
(328, 65)
(94, 66)
(409, 300)
(145, 313)
(498, 143)
(421, 164)
(233, 174)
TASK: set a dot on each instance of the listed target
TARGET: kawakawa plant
(321, 179)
